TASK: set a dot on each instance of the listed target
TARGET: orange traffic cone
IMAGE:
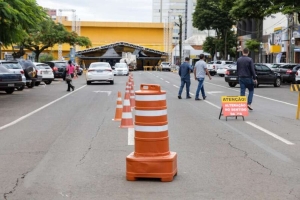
(119, 108)
(151, 157)
(127, 90)
(132, 97)
(126, 121)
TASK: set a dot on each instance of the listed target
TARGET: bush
(46, 57)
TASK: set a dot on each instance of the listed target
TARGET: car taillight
(41, 72)
(22, 72)
(214, 67)
(91, 70)
(227, 72)
(108, 70)
(54, 68)
(37, 71)
(297, 73)
(289, 71)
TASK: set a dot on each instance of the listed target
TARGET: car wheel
(47, 82)
(10, 90)
(21, 88)
(88, 82)
(37, 83)
(277, 82)
(232, 84)
(111, 82)
(30, 85)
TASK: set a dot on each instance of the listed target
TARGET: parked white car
(45, 71)
(99, 71)
(222, 69)
(297, 77)
(16, 68)
(121, 69)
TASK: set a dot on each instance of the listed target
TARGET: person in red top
(70, 72)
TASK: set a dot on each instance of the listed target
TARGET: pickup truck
(264, 75)
(213, 66)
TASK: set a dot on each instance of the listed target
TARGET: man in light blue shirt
(184, 73)
(200, 72)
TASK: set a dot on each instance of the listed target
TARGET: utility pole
(180, 39)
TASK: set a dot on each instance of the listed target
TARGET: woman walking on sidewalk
(69, 75)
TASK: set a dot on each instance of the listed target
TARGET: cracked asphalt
(72, 149)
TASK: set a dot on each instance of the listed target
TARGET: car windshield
(12, 65)
(120, 65)
(60, 64)
(165, 63)
(228, 62)
(43, 66)
(3, 69)
(276, 66)
(26, 63)
(99, 65)
(39, 67)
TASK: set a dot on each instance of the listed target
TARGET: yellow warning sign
(233, 99)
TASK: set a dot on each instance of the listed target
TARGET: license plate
(11, 85)
(45, 72)
(232, 78)
(99, 71)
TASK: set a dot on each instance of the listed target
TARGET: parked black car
(30, 73)
(58, 67)
(287, 71)
(9, 81)
(264, 75)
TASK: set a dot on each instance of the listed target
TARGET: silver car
(16, 68)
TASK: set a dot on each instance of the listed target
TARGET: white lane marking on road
(212, 104)
(283, 102)
(192, 94)
(176, 86)
(270, 133)
(260, 128)
(39, 109)
(215, 92)
(167, 82)
(108, 92)
(130, 136)
(161, 78)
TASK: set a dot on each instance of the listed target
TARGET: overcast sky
(104, 10)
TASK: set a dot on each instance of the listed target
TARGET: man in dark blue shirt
(247, 76)
(184, 73)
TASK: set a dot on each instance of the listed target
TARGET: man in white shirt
(199, 72)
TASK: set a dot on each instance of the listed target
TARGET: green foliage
(253, 45)
(250, 9)
(16, 17)
(213, 14)
(47, 33)
(46, 57)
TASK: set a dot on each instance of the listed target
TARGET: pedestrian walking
(247, 76)
(184, 72)
(200, 72)
(70, 75)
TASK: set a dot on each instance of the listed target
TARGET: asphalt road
(60, 145)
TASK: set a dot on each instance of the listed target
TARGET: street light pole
(1, 50)
(260, 52)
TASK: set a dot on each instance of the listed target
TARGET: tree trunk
(37, 55)
(225, 44)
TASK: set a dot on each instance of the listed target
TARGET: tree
(213, 14)
(16, 17)
(252, 9)
(47, 33)
(253, 45)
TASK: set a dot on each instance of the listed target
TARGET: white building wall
(275, 20)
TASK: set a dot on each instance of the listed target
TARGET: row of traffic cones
(124, 111)
(151, 157)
